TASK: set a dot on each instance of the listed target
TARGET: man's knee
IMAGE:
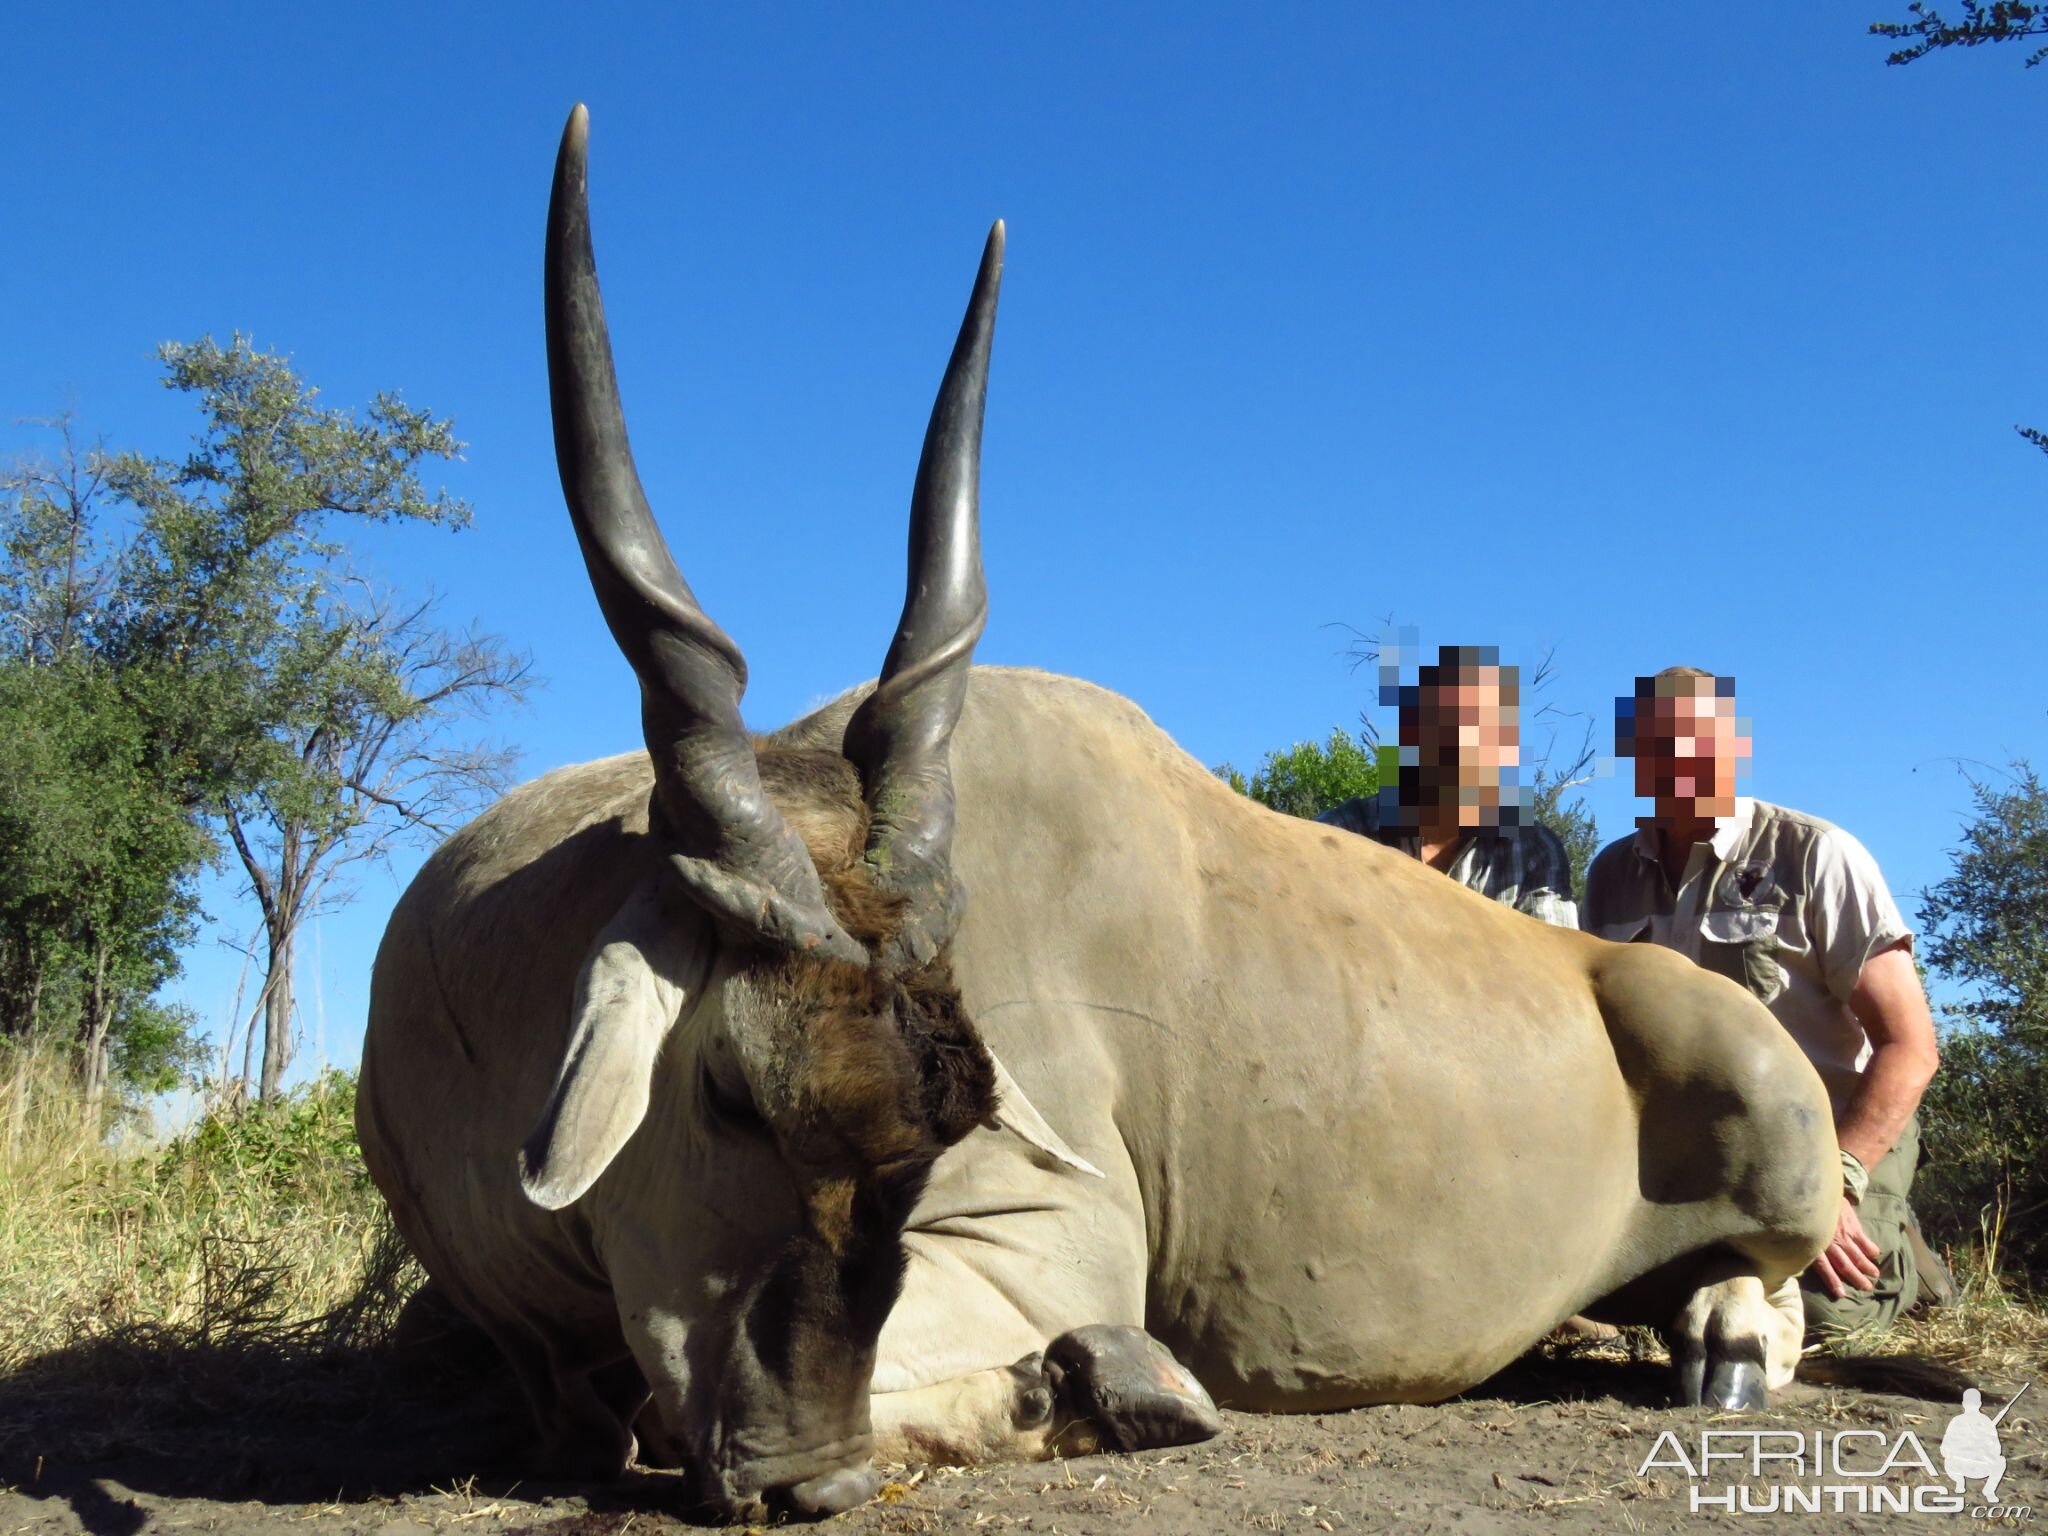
(1885, 1214)
(1832, 1316)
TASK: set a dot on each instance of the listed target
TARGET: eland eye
(732, 1105)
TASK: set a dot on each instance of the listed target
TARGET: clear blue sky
(1696, 339)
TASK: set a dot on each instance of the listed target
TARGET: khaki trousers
(1884, 1213)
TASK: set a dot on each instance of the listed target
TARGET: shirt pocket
(1742, 944)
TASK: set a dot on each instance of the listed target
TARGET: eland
(962, 1073)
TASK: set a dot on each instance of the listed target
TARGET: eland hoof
(1117, 1388)
(1729, 1383)
(1737, 1386)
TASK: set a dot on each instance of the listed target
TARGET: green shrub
(301, 1144)
(1309, 777)
(1986, 1112)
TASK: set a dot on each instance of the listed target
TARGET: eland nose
(832, 1494)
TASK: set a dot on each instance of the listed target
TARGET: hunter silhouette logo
(1970, 1448)
(1862, 1471)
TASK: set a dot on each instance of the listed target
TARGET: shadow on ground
(119, 1437)
(103, 1426)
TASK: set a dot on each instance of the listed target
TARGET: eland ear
(627, 1000)
(1016, 1114)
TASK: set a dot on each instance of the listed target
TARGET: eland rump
(963, 1073)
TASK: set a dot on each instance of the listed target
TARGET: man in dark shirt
(1448, 806)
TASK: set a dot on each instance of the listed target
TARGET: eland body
(964, 1073)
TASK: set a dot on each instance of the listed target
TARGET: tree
(367, 765)
(302, 709)
(221, 668)
(51, 576)
(97, 894)
(1986, 926)
(1571, 820)
(2001, 21)
(1308, 778)
(98, 857)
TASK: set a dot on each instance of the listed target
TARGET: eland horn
(731, 848)
(900, 736)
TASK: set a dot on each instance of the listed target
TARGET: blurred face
(1463, 736)
(1686, 751)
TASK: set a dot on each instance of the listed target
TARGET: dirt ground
(121, 1441)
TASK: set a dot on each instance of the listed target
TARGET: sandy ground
(131, 1443)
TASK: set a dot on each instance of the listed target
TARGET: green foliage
(224, 669)
(233, 611)
(99, 850)
(306, 708)
(1986, 1112)
(1571, 820)
(97, 868)
(156, 1046)
(1309, 777)
(2000, 21)
(304, 1139)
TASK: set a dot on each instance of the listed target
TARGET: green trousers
(1884, 1213)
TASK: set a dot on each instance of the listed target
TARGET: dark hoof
(1731, 1383)
(1119, 1389)
(1737, 1386)
(1691, 1380)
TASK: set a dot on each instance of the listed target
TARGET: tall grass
(260, 1221)
(224, 1304)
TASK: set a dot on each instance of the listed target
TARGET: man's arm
(1867, 962)
(1892, 1008)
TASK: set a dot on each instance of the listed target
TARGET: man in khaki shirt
(1794, 909)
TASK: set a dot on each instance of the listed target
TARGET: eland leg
(1734, 1342)
(996, 1271)
(583, 1410)
(1106, 1387)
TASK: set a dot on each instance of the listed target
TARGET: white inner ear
(1017, 1114)
(633, 987)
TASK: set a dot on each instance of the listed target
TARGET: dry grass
(209, 1302)
(232, 1230)
(1998, 1330)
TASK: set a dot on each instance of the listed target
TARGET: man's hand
(1851, 1259)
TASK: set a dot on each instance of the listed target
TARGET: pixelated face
(1687, 746)
(1465, 734)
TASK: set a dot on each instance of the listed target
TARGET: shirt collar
(1728, 831)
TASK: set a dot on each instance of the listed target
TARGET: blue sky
(1700, 340)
